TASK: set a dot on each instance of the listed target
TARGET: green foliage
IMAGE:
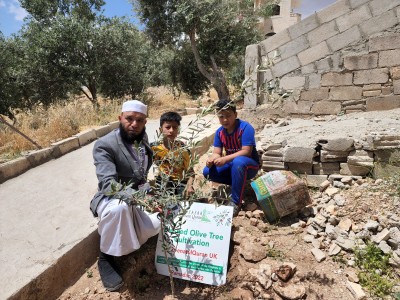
(275, 253)
(184, 73)
(9, 95)
(217, 32)
(268, 9)
(45, 10)
(89, 273)
(122, 55)
(51, 60)
(375, 274)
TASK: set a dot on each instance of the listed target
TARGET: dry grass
(60, 121)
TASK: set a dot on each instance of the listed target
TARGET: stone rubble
(329, 231)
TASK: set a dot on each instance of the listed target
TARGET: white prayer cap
(134, 105)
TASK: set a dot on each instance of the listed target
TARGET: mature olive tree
(45, 10)
(216, 30)
(9, 94)
(67, 55)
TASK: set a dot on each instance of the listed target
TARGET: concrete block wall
(340, 156)
(342, 59)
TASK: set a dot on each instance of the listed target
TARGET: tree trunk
(93, 91)
(216, 78)
(220, 82)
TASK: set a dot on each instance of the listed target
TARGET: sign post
(202, 246)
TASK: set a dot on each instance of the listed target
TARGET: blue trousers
(235, 174)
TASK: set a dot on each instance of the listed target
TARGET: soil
(283, 244)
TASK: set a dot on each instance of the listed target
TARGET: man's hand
(189, 191)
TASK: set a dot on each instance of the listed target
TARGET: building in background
(282, 15)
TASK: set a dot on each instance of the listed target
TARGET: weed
(375, 272)
(89, 273)
(275, 253)
(340, 260)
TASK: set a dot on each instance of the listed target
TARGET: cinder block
(383, 103)
(345, 93)
(371, 76)
(357, 3)
(396, 87)
(301, 168)
(387, 42)
(265, 75)
(358, 107)
(304, 26)
(344, 39)
(349, 170)
(326, 168)
(252, 60)
(395, 73)
(337, 61)
(300, 107)
(337, 144)
(308, 69)
(292, 82)
(274, 42)
(67, 145)
(314, 180)
(322, 33)
(314, 81)
(371, 93)
(337, 79)
(298, 155)
(361, 62)
(324, 65)
(326, 108)
(285, 66)
(293, 47)
(386, 90)
(380, 6)
(333, 11)
(371, 87)
(314, 94)
(379, 23)
(314, 53)
(353, 102)
(334, 156)
(389, 58)
(353, 18)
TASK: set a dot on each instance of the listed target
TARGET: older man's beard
(129, 137)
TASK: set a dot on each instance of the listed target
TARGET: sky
(12, 15)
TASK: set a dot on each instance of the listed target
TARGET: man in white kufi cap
(123, 155)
